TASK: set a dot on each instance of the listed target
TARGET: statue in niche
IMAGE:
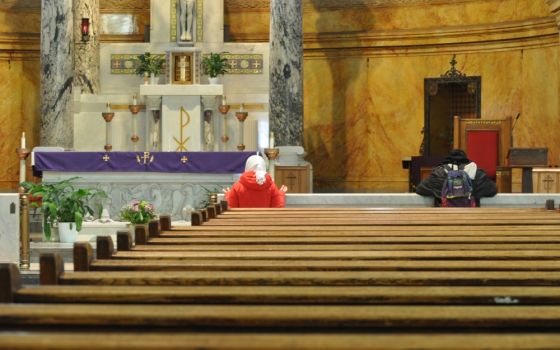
(208, 132)
(186, 19)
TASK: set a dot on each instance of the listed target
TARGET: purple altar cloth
(164, 162)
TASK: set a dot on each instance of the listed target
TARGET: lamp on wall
(85, 29)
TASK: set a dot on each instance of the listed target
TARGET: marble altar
(159, 177)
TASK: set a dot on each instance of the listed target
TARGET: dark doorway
(445, 98)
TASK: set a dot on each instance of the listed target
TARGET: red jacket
(246, 193)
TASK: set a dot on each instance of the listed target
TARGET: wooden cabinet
(546, 180)
(297, 178)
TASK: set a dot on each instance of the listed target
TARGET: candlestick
(224, 109)
(134, 100)
(108, 108)
(134, 109)
(108, 117)
(241, 116)
(22, 143)
(24, 251)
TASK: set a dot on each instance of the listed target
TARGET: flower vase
(214, 80)
(154, 79)
(67, 232)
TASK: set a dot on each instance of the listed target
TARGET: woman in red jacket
(255, 188)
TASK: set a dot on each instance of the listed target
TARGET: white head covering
(256, 163)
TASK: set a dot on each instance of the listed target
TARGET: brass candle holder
(224, 109)
(241, 116)
(272, 155)
(108, 117)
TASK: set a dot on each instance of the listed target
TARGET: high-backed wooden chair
(486, 141)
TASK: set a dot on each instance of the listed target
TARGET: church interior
(154, 106)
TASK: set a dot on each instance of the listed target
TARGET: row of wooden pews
(422, 278)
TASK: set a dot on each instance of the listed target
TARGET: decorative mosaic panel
(238, 63)
(199, 21)
(244, 63)
(125, 63)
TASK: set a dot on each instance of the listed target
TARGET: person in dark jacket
(482, 185)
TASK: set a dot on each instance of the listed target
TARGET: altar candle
(134, 101)
(22, 140)
(271, 141)
(241, 108)
(224, 102)
(108, 107)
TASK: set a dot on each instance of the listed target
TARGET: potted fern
(64, 205)
(214, 65)
(150, 65)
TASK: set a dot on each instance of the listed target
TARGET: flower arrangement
(138, 212)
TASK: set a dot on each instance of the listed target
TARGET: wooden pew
(436, 295)
(38, 340)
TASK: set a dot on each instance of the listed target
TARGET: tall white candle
(271, 142)
(241, 108)
(108, 107)
(224, 101)
(22, 144)
(134, 101)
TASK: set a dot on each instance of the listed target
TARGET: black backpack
(457, 188)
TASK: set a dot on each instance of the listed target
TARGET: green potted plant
(63, 204)
(214, 65)
(150, 65)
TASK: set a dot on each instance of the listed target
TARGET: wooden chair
(486, 141)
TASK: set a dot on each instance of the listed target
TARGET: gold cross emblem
(184, 159)
(147, 158)
(106, 158)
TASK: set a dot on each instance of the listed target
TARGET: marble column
(86, 54)
(57, 73)
(286, 72)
